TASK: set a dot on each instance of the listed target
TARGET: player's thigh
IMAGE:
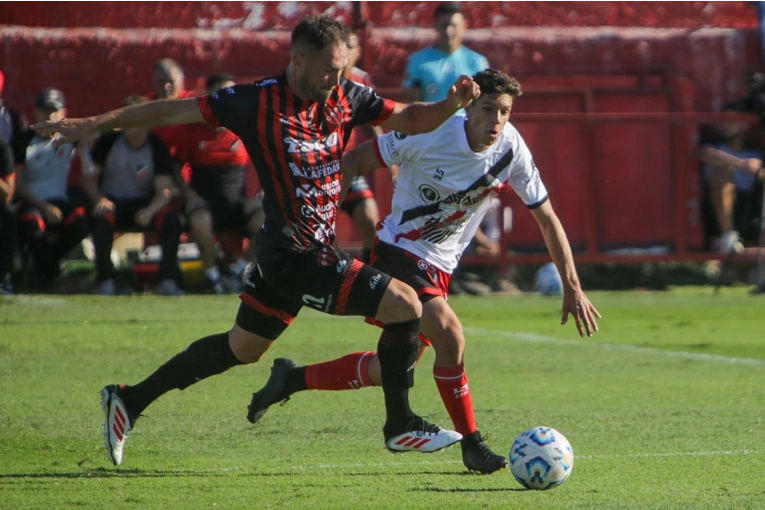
(248, 347)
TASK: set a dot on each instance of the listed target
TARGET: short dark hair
(131, 100)
(494, 83)
(218, 78)
(449, 8)
(319, 31)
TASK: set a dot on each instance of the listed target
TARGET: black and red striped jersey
(296, 146)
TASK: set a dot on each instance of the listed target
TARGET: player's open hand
(463, 92)
(576, 303)
(70, 130)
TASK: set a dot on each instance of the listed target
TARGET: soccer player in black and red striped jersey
(295, 127)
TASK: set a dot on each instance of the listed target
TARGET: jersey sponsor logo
(341, 266)
(391, 146)
(439, 174)
(309, 191)
(303, 146)
(323, 170)
(324, 212)
(265, 83)
(399, 135)
(429, 193)
(374, 281)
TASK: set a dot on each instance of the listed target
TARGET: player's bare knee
(400, 303)
(247, 347)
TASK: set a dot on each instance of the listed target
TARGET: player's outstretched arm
(415, 118)
(575, 302)
(165, 112)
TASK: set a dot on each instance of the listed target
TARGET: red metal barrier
(682, 164)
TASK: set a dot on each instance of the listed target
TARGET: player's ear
(298, 59)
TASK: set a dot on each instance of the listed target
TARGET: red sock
(453, 386)
(347, 373)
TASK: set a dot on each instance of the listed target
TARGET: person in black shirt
(130, 186)
(294, 127)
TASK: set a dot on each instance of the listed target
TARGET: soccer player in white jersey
(443, 190)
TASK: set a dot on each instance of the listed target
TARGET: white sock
(213, 274)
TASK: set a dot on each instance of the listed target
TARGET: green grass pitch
(664, 408)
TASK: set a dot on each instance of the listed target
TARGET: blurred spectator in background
(130, 185)
(50, 224)
(11, 121)
(8, 226)
(732, 173)
(167, 78)
(216, 197)
(359, 202)
(432, 70)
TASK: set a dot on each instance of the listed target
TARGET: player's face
(486, 117)
(136, 137)
(51, 114)
(730, 130)
(451, 30)
(322, 71)
(167, 85)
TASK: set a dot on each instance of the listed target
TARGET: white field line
(726, 453)
(651, 351)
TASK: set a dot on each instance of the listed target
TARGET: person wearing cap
(49, 221)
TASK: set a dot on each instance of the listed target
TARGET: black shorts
(30, 214)
(426, 279)
(287, 277)
(358, 191)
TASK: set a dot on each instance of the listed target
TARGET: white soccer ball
(541, 458)
(547, 280)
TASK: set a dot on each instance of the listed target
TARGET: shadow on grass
(466, 490)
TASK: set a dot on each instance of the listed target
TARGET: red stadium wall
(623, 56)
(284, 15)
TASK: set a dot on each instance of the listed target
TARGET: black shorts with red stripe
(426, 279)
(288, 277)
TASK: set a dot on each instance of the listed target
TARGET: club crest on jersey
(142, 171)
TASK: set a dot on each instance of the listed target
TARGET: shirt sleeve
(525, 179)
(19, 144)
(163, 161)
(394, 148)
(367, 106)
(232, 107)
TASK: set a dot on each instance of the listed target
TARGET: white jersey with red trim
(444, 188)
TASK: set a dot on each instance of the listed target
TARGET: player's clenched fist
(463, 92)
